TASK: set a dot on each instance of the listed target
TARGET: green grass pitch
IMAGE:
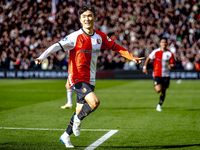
(28, 106)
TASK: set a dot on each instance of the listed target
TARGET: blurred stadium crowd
(27, 29)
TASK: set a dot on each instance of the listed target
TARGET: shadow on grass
(151, 108)
(180, 109)
(193, 109)
(149, 147)
(126, 108)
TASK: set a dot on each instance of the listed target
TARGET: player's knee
(96, 103)
(158, 90)
(92, 100)
(66, 86)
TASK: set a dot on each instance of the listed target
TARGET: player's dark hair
(85, 8)
(164, 38)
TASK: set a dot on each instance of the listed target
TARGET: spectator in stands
(139, 23)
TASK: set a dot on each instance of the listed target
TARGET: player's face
(87, 19)
(163, 44)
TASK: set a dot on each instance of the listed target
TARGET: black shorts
(82, 89)
(164, 81)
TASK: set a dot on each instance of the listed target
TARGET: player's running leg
(69, 103)
(92, 102)
(69, 92)
(158, 88)
(165, 84)
(162, 98)
(65, 137)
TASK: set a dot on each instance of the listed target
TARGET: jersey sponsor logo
(87, 51)
(65, 39)
(159, 59)
(98, 41)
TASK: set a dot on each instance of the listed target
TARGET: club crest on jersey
(84, 90)
(98, 41)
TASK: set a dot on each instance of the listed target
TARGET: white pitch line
(13, 128)
(101, 140)
(90, 147)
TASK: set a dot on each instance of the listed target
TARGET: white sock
(69, 96)
(65, 134)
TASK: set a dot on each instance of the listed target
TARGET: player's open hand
(138, 60)
(144, 70)
(38, 62)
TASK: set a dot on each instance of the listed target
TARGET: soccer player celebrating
(163, 61)
(84, 46)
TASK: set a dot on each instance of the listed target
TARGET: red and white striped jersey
(161, 62)
(83, 53)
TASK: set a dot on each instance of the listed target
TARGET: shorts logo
(98, 41)
(84, 90)
(155, 83)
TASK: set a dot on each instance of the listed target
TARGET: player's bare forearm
(127, 54)
(53, 48)
(144, 70)
(147, 61)
(138, 60)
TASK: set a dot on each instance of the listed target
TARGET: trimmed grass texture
(126, 105)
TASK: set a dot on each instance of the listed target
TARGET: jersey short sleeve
(152, 54)
(68, 42)
(107, 42)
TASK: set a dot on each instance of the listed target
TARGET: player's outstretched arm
(127, 54)
(138, 60)
(53, 48)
